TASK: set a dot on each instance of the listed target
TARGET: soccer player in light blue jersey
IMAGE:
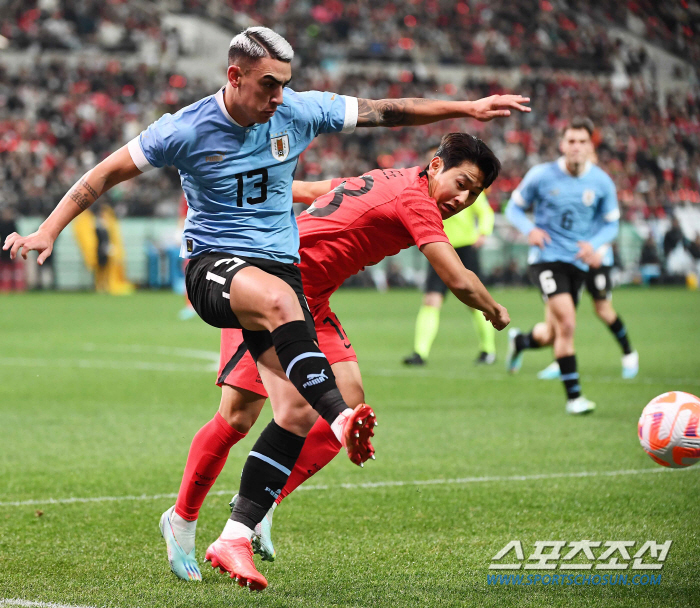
(599, 286)
(236, 152)
(576, 213)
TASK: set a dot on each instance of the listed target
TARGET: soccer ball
(668, 429)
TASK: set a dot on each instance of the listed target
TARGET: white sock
(235, 529)
(339, 423)
(184, 531)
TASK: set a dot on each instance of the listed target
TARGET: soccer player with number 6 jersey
(576, 213)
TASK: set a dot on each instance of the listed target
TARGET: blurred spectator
(11, 272)
(694, 251)
(103, 247)
(673, 237)
(649, 262)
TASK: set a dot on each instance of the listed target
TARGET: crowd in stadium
(557, 33)
(76, 24)
(57, 120)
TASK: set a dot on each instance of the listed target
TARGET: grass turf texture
(97, 400)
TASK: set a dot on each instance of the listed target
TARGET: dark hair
(580, 122)
(457, 148)
(258, 42)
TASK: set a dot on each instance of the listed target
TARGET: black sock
(265, 472)
(523, 341)
(617, 327)
(569, 376)
(308, 369)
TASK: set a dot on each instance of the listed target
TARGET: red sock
(319, 449)
(208, 454)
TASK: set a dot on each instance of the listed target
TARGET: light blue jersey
(569, 208)
(605, 250)
(238, 180)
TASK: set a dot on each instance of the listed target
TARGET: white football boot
(630, 365)
(551, 372)
(580, 405)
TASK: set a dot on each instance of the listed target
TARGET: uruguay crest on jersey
(588, 197)
(279, 145)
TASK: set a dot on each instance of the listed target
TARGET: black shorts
(598, 283)
(554, 278)
(470, 258)
(208, 282)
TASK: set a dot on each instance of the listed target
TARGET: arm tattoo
(80, 198)
(388, 112)
(88, 187)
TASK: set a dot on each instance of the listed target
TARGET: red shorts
(237, 368)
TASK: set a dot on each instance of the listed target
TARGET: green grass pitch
(100, 397)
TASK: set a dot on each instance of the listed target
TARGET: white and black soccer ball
(669, 429)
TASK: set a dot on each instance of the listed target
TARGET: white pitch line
(148, 366)
(399, 373)
(360, 486)
(174, 351)
(28, 604)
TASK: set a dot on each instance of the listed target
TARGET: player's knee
(241, 421)
(240, 409)
(543, 333)
(604, 311)
(566, 327)
(297, 420)
(281, 307)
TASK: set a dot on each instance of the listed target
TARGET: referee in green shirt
(467, 232)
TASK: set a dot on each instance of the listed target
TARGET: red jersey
(363, 220)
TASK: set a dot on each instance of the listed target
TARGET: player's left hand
(586, 253)
(497, 106)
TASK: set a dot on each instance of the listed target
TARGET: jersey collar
(219, 96)
(561, 161)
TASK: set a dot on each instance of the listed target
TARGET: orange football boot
(236, 557)
(357, 430)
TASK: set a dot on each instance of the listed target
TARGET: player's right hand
(37, 241)
(501, 319)
(538, 238)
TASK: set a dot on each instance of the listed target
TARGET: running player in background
(467, 232)
(358, 223)
(236, 152)
(599, 286)
(576, 213)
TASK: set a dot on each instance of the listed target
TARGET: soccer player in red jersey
(359, 222)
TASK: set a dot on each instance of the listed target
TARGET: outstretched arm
(464, 283)
(116, 168)
(417, 111)
(308, 192)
